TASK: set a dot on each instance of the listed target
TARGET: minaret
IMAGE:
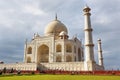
(25, 51)
(100, 53)
(89, 46)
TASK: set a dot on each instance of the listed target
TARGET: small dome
(37, 35)
(62, 33)
(86, 9)
(55, 27)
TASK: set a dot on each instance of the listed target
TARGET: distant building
(55, 50)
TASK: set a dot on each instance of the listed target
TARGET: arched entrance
(68, 58)
(79, 54)
(29, 50)
(43, 54)
(28, 59)
(58, 48)
(68, 48)
(58, 59)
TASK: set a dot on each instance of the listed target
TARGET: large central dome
(55, 27)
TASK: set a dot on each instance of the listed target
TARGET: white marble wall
(67, 66)
(20, 66)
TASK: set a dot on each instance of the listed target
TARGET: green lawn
(59, 77)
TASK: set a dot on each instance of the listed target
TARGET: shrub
(11, 71)
(32, 72)
(4, 70)
(18, 72)
(0, 72)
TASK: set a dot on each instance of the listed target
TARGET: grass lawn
(59, 77)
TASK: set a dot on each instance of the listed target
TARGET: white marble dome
(62, 33)
(55, 27)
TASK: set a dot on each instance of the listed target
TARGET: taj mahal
(56, 51)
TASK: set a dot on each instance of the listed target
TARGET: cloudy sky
(20, 19)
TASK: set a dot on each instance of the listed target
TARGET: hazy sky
(20, 19)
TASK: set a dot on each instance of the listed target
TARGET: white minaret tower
(100, 53)
(89, 46)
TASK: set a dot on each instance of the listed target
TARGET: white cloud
(103, 19)
(35, 10)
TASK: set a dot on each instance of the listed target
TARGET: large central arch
(43, 54)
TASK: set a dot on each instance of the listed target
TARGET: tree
(4, 70)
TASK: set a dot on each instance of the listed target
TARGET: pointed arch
(68, 48)
(58, 58)
(74, 49)
(68, 58)
(58, 48)
(43, 54)
(79, 54)
(82, 55)
(29, 51)
(28, 59)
